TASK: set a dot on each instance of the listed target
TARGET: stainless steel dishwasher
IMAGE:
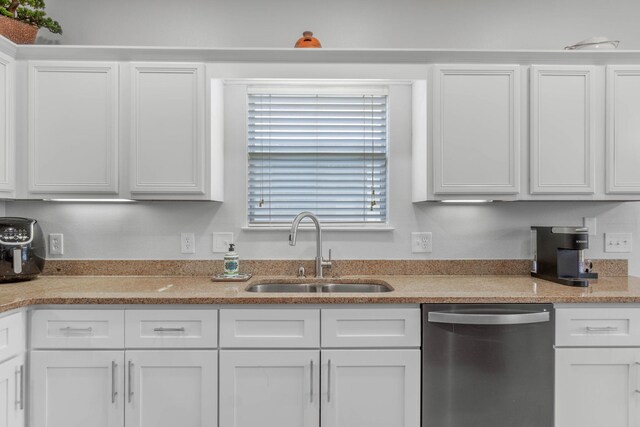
(487, 365)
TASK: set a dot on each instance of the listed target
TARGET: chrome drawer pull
(130, 380)
(114, 392)
(169, 329)
(311, 381)
(20, 383)
(70, 330)
(602, 328)
(329, 380)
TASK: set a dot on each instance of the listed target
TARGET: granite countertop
(408, 289)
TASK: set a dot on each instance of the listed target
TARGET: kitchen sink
(319, 287)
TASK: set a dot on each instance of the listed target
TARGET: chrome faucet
(292, 240)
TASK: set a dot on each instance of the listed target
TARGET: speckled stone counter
(408, 289)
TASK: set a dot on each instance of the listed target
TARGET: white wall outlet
(618, 242)
(421, 242)
(187, 243)
(56, 244)
(221, 242)
(590, 223)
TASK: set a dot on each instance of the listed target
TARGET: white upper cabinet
(168, 135)
(73, 128)
(7, 108)
(476, 129)
(623, 130)
(564, 115)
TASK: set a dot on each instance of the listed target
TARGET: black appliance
(487, 365)
(22, 249)
(558, 255)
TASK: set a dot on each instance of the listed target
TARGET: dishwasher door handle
(488, 319)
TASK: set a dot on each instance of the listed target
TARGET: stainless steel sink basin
(319, 287)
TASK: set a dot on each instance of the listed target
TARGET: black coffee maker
(558, 255)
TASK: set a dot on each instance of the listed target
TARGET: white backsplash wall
(464, 24)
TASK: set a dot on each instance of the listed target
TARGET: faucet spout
(320, 263)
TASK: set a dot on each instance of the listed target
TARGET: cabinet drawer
(269, 328)
(77, 329)
(171, 328)
(598, 327)
(371, 327)
(12, 340)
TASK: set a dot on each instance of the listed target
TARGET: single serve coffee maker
(558, 255)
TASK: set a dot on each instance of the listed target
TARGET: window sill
(309, 227)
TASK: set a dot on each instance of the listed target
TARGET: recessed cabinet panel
(476, 135)
(596, 387)
(73, 127)
(373, 388)
(172, 388)
(7, 108)
(270, 388)
(12, 392)
(562, 130)
(623, 128)
(167, 132)
(77, 389)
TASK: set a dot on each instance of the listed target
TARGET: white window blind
(319, 152)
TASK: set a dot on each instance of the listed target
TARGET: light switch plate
(421, 242)
(221, 242)
(618, 242)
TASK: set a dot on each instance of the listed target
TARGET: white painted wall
(494, 24)
(150, 230)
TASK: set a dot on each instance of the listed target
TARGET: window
(317, 150)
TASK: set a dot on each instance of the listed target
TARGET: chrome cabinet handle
(70, 330)
(311, 382)
(488, 319)
(329, 380)
(20, 383)
(130, 393)
(169, 329)
(114, 392)
(601, 328)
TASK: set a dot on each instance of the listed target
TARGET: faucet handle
(327, 263)
(329, 255)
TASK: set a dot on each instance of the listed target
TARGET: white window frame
(346, 87)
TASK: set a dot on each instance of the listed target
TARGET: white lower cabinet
(112, 388)
(373, 388)
(597, 387)
(77, 389)
(269, 388)
(12, 399)
(597, 365)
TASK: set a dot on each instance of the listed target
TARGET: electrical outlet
(56, 244)
(421, 242)
(221, 242)
(618, 242)
(187, 243)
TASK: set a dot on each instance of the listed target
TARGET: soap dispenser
(231, 262)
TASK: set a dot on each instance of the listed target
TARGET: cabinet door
(373, 388)
(12, 393)
(73, 127)
(77, 389)
(476, 129)
(172, 388)
(563, 129)
(597, 387)
(7, 108)
(277, 388)
(167, 129)
(623, 128)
